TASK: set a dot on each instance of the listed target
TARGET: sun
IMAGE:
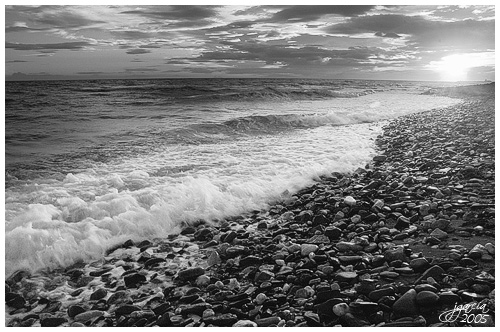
(452, 68)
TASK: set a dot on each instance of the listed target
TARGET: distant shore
(397, 243)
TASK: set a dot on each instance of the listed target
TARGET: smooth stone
(349, 200)
(268, 321)
(406, 305)
(340, 309)
(245, 323)
(190, 273)
(126, 309)
(389, 274)
(425, 287)
(427, 298)
(439, 234)
(379, 293)
(133, 280)
(490, 248)
(98, 294)
(434, 271)
(348, 246)
(88, 315)
(222, 319)
(395, 254)
(306, 249)
(75, 310)
(53, 321)
(318, 239)
(346, 276)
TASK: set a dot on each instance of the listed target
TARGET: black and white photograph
(184, 164)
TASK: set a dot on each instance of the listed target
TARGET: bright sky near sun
(451, 43)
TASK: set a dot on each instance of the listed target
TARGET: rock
(380, 158)
(348, 246)
(490, 248)
(133, 280)
(419, 264)
(434, 271)
(251, 260)
(346, 276)
(88, 315)
(15, 300)
(190, 273)
(341, 309)
(349, 200)
(264, 322)
(318, 239)
(119, 297)
(333, 233)
(53, 321)
(98, 294)
(441, 224)
(477, 251)
(75, 310)
(245, 323)
(126, 309)
(395, 254)
(381, 292)
(389, 275)
(222, 320)
(439, 234)
(406, 305)
(426, 298)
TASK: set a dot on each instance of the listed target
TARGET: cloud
(423, 32)
(138, 51)
(312, 13)
(55, 46)
(16, 61)
(133, 70)
(175, 12)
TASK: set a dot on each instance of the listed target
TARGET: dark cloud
(288, 55)
(136, 51)
(175, 12)
(64, 20)
(55, 46)
(311, 13)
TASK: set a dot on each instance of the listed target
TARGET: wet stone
(406, 305)
(425, 298)
(133, 280)
(346, 276)
(98, 294)
(88, 315)
(190, 273)
(53, 321)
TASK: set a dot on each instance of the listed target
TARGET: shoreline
(351, 250)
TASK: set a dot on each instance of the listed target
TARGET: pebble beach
(400, 242)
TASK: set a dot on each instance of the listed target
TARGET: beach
(399, 242)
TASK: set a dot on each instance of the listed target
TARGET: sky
(448, 43)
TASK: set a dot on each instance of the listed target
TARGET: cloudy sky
(363, 41)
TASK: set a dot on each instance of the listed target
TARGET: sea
(90, 164)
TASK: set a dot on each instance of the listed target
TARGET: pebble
(406, 305)
(190, 273)
(88, 315)
(306, 249)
